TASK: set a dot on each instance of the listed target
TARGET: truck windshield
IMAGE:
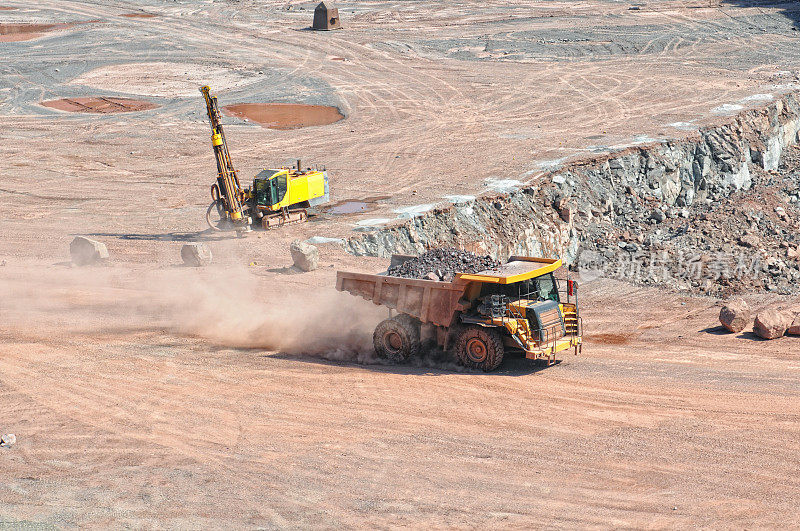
(544, 288)
(540, 288)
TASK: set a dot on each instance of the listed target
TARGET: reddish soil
(139, 15)
(609, 339)
(285, 115)
(26, 32)
(144, 396)
(99, 105)
(6, 8)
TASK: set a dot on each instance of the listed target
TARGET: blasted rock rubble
(715, 213)
(443, 264)
(747, 241)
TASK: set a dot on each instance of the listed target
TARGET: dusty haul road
(131, 408)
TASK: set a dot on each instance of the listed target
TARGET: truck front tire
(481, 348)
(397, 339)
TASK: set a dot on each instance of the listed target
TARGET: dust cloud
(229, 310)
(229, 307)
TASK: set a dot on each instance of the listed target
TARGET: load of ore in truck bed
(442, 264)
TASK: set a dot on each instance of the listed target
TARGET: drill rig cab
(277, 196)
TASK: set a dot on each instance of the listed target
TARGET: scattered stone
(432, 276)
(658, 216)
(196, 254)
(750, 240)
(304, 255)
(7, 440)
(735, 316)
(85, 251)
(772, 324)
(444, 263)
(565, 212)
(795, 328)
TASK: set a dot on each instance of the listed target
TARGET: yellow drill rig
(277, 196)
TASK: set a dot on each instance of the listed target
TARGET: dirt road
(128, 413)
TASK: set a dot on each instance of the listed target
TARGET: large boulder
(304, 255)
(735, 316)
(8, 440)
(196, 254)
(772, 324)
(795, 328)
(85, 251)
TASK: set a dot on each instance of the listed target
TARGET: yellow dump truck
(519, 305)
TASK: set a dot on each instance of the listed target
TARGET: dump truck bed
(427, 300)
(435, 302)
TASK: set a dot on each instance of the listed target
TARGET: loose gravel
(443, 264)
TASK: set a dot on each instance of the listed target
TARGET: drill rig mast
(228, 197)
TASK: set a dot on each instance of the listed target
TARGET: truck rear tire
(397, 338)
(480, 348)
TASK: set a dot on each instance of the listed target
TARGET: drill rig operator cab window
(270, 189)
(541, 288)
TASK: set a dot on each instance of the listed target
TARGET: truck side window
(278, 189)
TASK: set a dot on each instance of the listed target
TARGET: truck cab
(523, 301)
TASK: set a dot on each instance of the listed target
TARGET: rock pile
(744, 242)
(716, 214)
(443, 264)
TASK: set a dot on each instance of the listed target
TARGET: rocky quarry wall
(640, 199)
